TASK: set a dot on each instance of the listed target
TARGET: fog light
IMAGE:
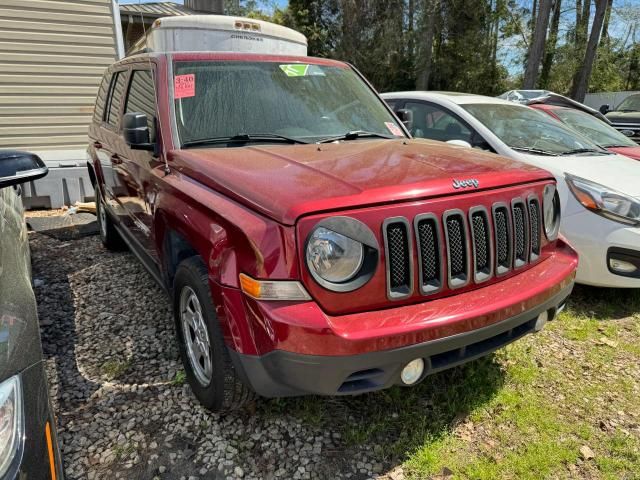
(412, 372)
(543, 318)
(622, 266)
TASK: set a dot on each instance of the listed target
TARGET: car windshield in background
(594, 129)
(631, 104)
(274, 102)
(523, 128)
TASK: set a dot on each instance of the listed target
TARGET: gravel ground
(118, 388)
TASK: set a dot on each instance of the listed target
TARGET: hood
(624, 117)
(614, 171)
(286, 182)
(631, 152)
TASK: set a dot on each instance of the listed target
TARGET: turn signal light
(273, 289)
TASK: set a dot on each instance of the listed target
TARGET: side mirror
(20, 167)
(459, 143)
(135, 131)
(604, 108)
(406, 117)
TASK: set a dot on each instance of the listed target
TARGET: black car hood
(624, 117)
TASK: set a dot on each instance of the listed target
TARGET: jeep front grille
(502, 233)
(536, 227)
(429, 253)
(461, 247)
(399, 258)
(482, 244)
(455, 231)
(520, 233)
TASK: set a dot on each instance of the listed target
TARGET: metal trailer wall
(613, 99)
(52, 57)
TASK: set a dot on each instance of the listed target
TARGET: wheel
(210, 371)
(108, 233)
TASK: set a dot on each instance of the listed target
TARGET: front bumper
(593, 236)
(280, 373)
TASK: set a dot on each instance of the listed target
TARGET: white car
(523, 96)
(599, 191)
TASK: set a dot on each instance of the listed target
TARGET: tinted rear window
(101, 99)
(117, 92)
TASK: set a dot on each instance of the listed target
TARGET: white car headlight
(605, 201)
(551, 212)
(11, 423)
(332, 256)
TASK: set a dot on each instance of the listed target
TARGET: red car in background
(587, 121)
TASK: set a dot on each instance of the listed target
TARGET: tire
(110, 237)
(215, 384)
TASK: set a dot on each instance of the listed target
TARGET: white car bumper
(592, 236)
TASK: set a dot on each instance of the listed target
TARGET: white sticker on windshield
(394, 129)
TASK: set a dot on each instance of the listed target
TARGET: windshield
(594, 129)
(631, 103)
(528, 129)
(264, 100)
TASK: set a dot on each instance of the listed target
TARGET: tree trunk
(605, 28)
(431, 7)
(536, 48)
(581, 80)
(550, 50)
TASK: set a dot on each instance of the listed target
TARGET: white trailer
(221, 33)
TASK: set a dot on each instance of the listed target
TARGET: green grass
(179, 379)
(113, 369)
(523, 413)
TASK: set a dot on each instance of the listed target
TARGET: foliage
(477, 46)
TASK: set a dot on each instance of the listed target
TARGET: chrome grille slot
(457, 248)
(427, 231)
(503, 238)
(536, 228)
(399, 258)
(520, 233)
(482, 244)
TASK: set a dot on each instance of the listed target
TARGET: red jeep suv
(308, 244)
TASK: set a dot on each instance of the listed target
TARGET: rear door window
(142, 98)
(115, 100)
(101, 99)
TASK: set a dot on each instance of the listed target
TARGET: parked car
(599, 190)
(28, 444)
(588, 122)
(523, 96)
(626, 117)
(279, 202)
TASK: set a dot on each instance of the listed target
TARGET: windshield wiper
(244, 138)
(537, 151)
(585, 150)
(353, 135)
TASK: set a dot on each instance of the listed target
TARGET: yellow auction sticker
(295, 70)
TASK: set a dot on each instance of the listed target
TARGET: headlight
(341, 253)
(332, 256)
(551, 212)
(605, 201)
(11, 423)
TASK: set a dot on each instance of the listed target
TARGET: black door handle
(97, 145)
(116, 160)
